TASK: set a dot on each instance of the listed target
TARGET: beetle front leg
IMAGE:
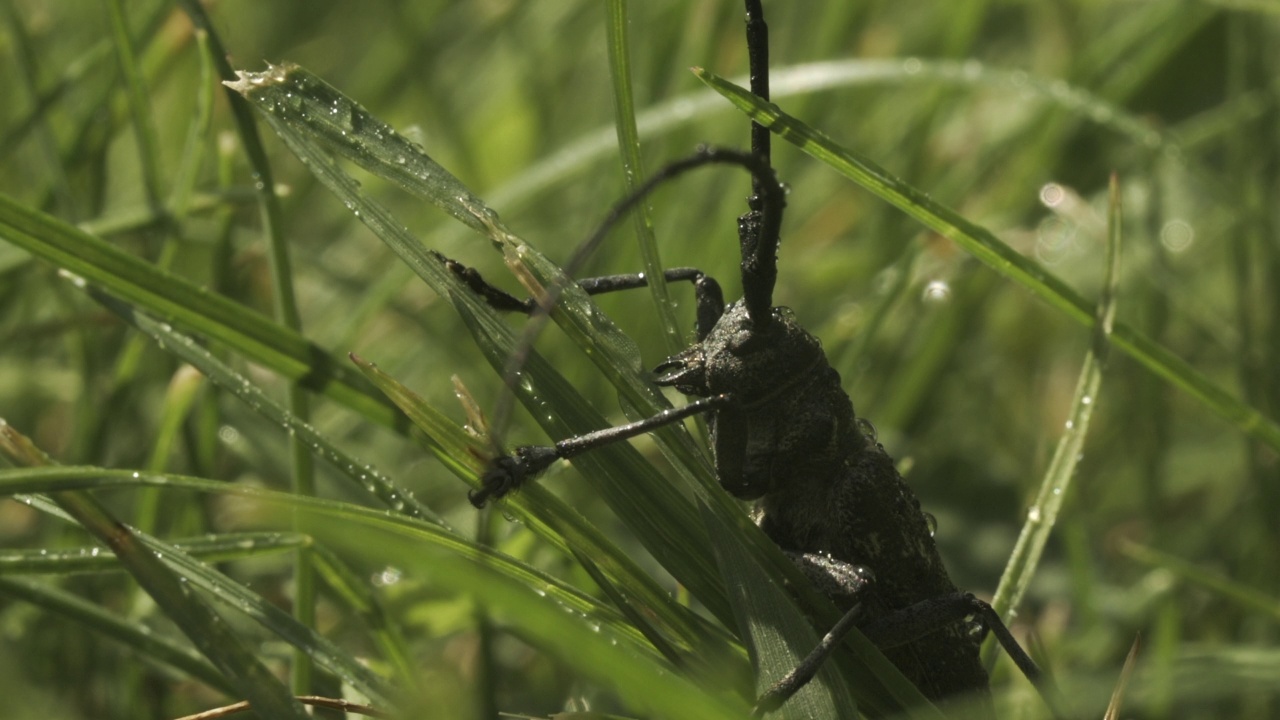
(708, 297)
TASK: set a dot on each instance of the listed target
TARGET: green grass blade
(778, 636)
(633, 173)
(1253, 599)
(223, 547)
(133, 634)
(182, 346)
(335, 514)
(178, 301)
(362, 600)
(1043, 514)
(661, 516)
(193, 616)
(984, 246)
(564, 528)
(139, 102)
(642, 681)
(292, 96)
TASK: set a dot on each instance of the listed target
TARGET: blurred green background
(1012, 113)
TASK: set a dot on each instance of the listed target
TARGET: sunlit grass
(1012, 116)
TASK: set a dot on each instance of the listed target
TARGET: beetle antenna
(772, 201)
(760, 228)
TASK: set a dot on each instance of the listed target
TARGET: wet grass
(126, 167)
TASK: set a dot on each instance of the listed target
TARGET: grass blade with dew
(166, 296)
(983, 245)
(169, 588)
(188, 350)
(420, 535)
(666, 522)
(633, 173)
(297, 104)
(133, 634)
(1043, 513)
(558, 524)
(222, 547)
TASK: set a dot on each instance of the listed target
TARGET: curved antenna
(771, 199)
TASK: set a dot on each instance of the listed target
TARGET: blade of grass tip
(462, 453)
(1043, 513)
(314, 118)
(224, 376)
(651, 504)
(179, 397)
(983, 245)
(193, 616)
(291, 96)
(624, 110)
(1117, 695)
(132, 634)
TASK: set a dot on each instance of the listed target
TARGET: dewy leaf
(190, 612)
(308, 104)
(175, 300)
(1043, 513)
(132, 633)
(986, 247)
(778, 635)
(185, 347)
(309, 114)
(651, 503)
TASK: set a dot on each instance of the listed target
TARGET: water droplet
(867, 429)
(387, 576)
(937, 291)
(931, 522)
(1052, 194)
(1177, 235)
(1033, 514)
